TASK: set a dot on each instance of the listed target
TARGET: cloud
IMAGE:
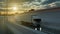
(38, 4)
(34, 4)
(42, 4)
(1, 2)
(57, 3)
(54, 4)
(49, 1)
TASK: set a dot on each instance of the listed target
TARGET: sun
(14, 8)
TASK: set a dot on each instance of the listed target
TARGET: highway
(10, 22)
(15, 27)
(19, 29)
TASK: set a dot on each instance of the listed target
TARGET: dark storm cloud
(49, 1)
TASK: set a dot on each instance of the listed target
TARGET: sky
(30, 4)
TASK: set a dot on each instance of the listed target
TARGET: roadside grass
(7, 30)
(27, 24)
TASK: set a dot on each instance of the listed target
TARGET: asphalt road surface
(19, 29)
(15, 27)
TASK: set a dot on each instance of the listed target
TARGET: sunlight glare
(14, 8)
